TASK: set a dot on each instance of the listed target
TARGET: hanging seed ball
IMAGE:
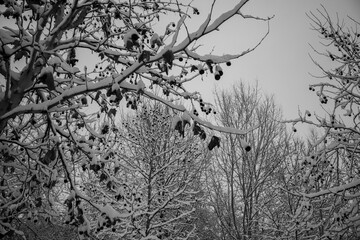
(84, 100)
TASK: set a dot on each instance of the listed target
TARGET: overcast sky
(281, 63)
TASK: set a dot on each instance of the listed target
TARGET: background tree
(50, 97)
(149, 176)
(244, 169)
(330, 180)
(207, 226)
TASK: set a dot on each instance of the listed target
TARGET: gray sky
(281, 63)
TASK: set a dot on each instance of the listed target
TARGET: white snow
(140, 85)
(68, 68)
(115, 87)
(110, 212)
(54, 61)
(338, 189)
(174, 121)
(46, 70)
(155, 39)
(186, 117)
(6, 37)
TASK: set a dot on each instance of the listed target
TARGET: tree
(50, 97)
(330, 179)
(149, 177)
(244, 170)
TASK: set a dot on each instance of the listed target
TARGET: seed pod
(245, 145)
(215, 141)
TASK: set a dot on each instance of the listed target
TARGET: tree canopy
(58, 114)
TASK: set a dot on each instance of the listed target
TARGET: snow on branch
(334, 190)
(226, 57)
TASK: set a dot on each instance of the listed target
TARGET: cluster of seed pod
(104, 221)
(103, 72)
(206, 108)
(218, 71)
(115, 94)
(132, 101)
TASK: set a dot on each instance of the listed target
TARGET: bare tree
(243, 173)
(52, 99)
(150, 179)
